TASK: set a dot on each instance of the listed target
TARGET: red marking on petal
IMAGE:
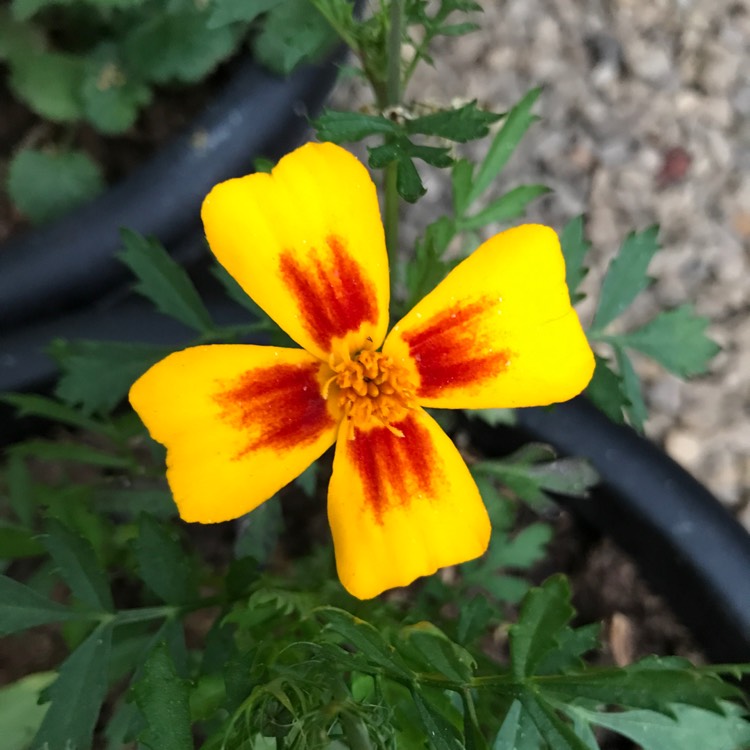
(450, 351)
(332, 291)
(279, 407)
(394, 469)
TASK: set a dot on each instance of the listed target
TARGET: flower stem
(392, 99)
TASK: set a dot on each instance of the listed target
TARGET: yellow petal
(499, 330)
(402, 507)
(239, 422)
(306, 243)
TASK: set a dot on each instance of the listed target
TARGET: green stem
(356, 733)
(392, 99)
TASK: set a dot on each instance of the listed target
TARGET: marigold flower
(241, 421)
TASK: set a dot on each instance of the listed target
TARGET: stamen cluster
(372, 391)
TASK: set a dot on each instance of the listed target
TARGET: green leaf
(631, 388)
(517, 122)
(427, 268)
(366, 639)
(22, 608)
(506, 737)
(112, 97)
(259, 531)
(554, 731)
(408, 182)
(178, 46)
(343, 127)
(163, 281)
(17, 541)
(462, 175)
(606, 391)
(506, 207)
(18, 38)
(96, 375)
(473, 619)
(545, 611)
(51, 450)
(572, 644)
(626, 276)
(34, 405)
(20, 490)
(575, 247)
(45, 186)
(677, 340)
(531, 480)
(49, 83)
(653, 684)
(164, 700)
(77, 695)
(432, 651)
(78, 566)
(20, 712)
(463, 124)
(294, 31)
(162, 563)
(442, 735)
(223, 12)
(690, 729)
(527, 547)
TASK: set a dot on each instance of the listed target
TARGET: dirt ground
(645, 119)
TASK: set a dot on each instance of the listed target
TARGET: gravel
(645, 119)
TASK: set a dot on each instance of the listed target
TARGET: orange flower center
(371, 390)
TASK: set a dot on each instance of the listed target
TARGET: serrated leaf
(462, 124)
(342, 127)
(473, 619)
(177, 46)
(677, 340)
(45, 186)
(164, 281)
(517, 122)
(524, 549)
(408, 182)
(653, 684)
(441, 734)
(432, 651)
(517, 731)
(96, 375)
(554, 731)
(606, 391)
(112, 97)
(365, 638)
(631, 388)
(690, 729)
(294, 31)
(162, 563)
(49, 83)
(436, 156)
(572, 644)
(78, 566)
(506, 207)
(34, 405)
(626, 276)
(22, 608)
(545, 611)
(575, 247)
(223, 12)
(77, 695)
(51, 450)
(20, 712)
(163, 699)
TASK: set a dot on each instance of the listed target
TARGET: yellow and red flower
(240, 421)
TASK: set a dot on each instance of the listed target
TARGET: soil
(171, 110)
